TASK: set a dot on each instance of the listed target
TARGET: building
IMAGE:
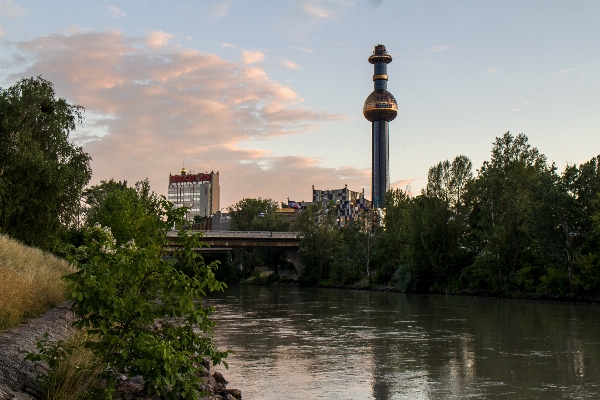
(199, 192)
(349, 204)
(288, 214)
(380, 108)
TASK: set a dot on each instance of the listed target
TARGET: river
(308, 343)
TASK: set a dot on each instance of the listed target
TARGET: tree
(257, 215)
(321, 242)
(505, 200)
(444, 219)
(132, 213)
(142, 305)
(42, 172)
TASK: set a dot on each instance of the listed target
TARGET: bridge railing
(244, 234)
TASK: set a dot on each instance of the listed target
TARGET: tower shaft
(380, 108)
(380, 175)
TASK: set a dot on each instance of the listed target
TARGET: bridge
(224, 241)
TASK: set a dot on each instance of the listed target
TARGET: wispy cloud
(324, 8)
(404, 184)
(491, 70)
(218, 10)
(115, 12)
(10, 10)
(314, 9)
(290, 64)
(251, 57)
(437, 49)
(156, 107)
(231, 46)
(305, 50)
(564, 71)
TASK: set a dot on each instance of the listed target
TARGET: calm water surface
(293, 343)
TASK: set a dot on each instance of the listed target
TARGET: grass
(75, 375)
(30, 282)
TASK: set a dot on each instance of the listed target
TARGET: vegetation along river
(308, 343)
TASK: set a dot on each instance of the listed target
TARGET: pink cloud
(158, 39)
(251, 57)
(160, 106)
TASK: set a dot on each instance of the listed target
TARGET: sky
(270, 93)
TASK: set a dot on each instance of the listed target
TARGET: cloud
(158, 39)
(305, 50)
(290, 64)
(251, 57)
(149, 109)
(564, 71)
(404, 184)
(228, 45)
(317, 9)
(10, 10)
(218, 10)
(115, 12)
(437, 49)
(491, 70)
(314, 9)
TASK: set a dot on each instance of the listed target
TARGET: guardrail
(244, 234)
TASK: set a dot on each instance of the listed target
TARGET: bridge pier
(292, 256)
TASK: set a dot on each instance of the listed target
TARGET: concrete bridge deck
(223, 241)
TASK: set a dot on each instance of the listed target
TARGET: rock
(234, 393)
(220, 379)
(17, 374)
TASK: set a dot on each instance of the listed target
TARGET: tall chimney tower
(380, 108)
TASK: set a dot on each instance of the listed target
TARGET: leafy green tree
(321, 242)
(144, 310)
(130, 212)
(394, 243)
(257, 215)
(505, 200)
(42, 172)
(444, 219)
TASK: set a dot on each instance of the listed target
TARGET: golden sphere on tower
(380, 106)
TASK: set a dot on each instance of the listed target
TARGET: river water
(294, 343)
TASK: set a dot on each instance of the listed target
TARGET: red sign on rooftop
(190, 178)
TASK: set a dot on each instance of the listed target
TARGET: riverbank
(270, 280)
(19, 378)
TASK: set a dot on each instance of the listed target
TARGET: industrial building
(380, 108)
(199, 192)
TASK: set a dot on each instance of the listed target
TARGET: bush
(145, 311)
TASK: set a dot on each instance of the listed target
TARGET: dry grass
(29, 282)
(76, 374)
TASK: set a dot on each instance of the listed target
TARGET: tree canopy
(42, 172)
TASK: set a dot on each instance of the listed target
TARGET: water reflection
(315, 343)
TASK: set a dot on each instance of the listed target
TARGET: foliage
(42, 172)
(517, 226)
(73, 370)
(144, 305)
(257, 215)
(321, 243)
(133, 213)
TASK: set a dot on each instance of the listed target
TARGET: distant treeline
(517, 226)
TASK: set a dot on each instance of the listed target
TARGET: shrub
(145, 311)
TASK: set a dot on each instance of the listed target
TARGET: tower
(380, 108)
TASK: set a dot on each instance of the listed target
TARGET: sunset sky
(270, 93)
